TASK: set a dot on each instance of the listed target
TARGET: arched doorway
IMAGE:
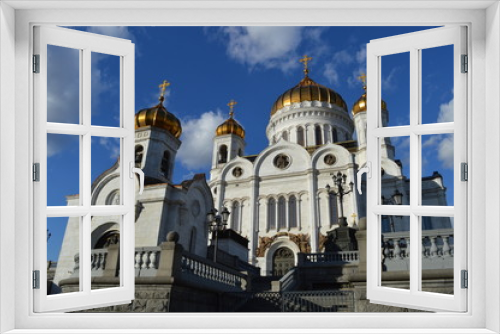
(283, 261)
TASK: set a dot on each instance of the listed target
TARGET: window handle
(368, 170)
(138, 171)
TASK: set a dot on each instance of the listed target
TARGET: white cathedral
(278, 199)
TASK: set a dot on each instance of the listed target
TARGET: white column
(313, 207)
(253, 218)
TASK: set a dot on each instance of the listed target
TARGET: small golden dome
(360, 104)
(230, 126)
(308, 90)
(158, 116)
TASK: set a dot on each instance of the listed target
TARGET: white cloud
(112, 145)
(446, 112)
(120, 32)
(339, 59)
(445, 151)
(443, 146)
(388, 82)
(197, 134)
(268, 47)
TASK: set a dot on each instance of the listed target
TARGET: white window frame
(85, 43)
(414, 43)
(483, 19)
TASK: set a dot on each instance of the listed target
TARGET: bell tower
(228, 141)
(157, 133)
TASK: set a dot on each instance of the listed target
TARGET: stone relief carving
(301, 240)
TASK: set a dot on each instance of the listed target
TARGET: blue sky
(209, 66)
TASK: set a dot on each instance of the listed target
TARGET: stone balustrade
(330, 258)
(167, 260)
(200, 269)
(437, 250)
(146, 261)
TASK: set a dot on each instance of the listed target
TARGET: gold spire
(362, 78)
(305, 60)
(231, 105)
(163, 87)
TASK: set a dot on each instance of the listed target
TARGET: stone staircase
(263, 299)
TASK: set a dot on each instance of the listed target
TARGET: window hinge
(465, 64)
(36, 63)
(465, 279)
(464, 171)
(36, 279)
(36, 172)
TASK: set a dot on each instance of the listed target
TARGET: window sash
(413, 43)
(86, 43)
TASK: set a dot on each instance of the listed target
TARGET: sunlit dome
(308, 90)
(158, 116)
(230, 126)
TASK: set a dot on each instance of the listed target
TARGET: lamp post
(339, 181)
(396, 199)
(217, 223)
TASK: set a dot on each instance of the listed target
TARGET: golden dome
(230, 126)
(360, 104)
(158, 116)
(308, 90)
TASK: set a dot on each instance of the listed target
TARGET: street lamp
(217, 223)
(339, 181)
(396, 199)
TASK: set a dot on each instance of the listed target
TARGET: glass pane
(105, 262)
(63, 85)
(395, 88)
(437, 84)
(63, 170)
(395, 170)
(395, 251)
(105, 90)
(437, 170)
(106, 173)
(437, 254)
(63, 248)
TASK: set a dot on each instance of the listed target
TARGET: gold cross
(305, 60)
(231, 105)
(163, 87)
(362, 78)
(354, 216)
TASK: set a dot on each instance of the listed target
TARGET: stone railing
(169, 260)
(437, 250)
(98, 261)
(288, 282)
(205, 272)
(146, 261)
(329, 258)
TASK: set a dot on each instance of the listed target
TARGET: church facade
(284, 200)
(161, 208)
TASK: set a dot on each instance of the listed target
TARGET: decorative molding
(301, 240)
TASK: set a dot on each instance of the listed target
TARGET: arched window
(281, 213)
(285, 135)
(318, 134)
(192, 240)
(240, 152)
(332, 203)
(165, 162)
(300, 136)
(139, 152)
(223, 154)
(292, 212)
(235, 216)
(108, 238)
(271, 214)
(334, 136)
